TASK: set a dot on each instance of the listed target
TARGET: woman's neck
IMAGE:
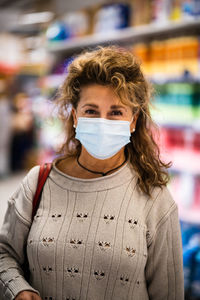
(70, 166)
(99, 165)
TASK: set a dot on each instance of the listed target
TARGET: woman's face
(97, 101)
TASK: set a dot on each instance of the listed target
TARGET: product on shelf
(161, 11)
(195, 284)
(179, 146)
(50, 84)
(191, 259)
(171, 58)
(182, 54)
(177, 103)
(141, 12)
(11, 53)
(112, 17)
(77, 23)
(57, 31)
(49, 129)
(175, 10)
(190, 9)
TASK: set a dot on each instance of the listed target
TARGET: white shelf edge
(178, 156)
(179, 170)
(124, 35)
(193, 125)
(190, 216)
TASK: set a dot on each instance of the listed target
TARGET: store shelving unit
(125, 36)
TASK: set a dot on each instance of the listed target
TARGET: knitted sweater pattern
(92, 239)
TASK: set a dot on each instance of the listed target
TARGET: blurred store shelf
(124, 36)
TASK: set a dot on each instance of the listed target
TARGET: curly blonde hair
(118, 68)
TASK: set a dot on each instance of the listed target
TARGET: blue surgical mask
(102, 138)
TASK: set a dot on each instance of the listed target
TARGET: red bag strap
(42, 177)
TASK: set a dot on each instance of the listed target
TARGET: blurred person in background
(23, 131)
(5, 128)
(107, 226)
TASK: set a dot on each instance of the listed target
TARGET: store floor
(7, 188)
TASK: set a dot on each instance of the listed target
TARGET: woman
(107, 226)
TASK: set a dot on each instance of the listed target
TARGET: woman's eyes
(91, 112)
(112, 113)
(116, 113)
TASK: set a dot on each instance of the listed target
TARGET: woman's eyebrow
(112, 106)
(118, 107)
(91, 105)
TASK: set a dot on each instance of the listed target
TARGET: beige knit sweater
(92, 239)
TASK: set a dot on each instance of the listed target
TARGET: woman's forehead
(99, 93)
(96, 89)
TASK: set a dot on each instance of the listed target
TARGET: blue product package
(188, 264)
(195, 284)
(57, 32)
(187, 231)
(112, 17)
(196, 8)
(191, 245)
(191, 9)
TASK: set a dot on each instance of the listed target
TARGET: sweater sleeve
(164, 269)
(13, 238)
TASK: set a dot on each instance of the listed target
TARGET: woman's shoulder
(31, 179)
(162, 198)
(20, 200)
(160, 206)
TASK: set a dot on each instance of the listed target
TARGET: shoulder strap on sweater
(43, 174)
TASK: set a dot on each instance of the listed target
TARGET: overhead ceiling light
(34, 18)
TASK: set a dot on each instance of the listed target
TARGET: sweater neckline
(118, 178)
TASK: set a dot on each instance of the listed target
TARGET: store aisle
(7, 188)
